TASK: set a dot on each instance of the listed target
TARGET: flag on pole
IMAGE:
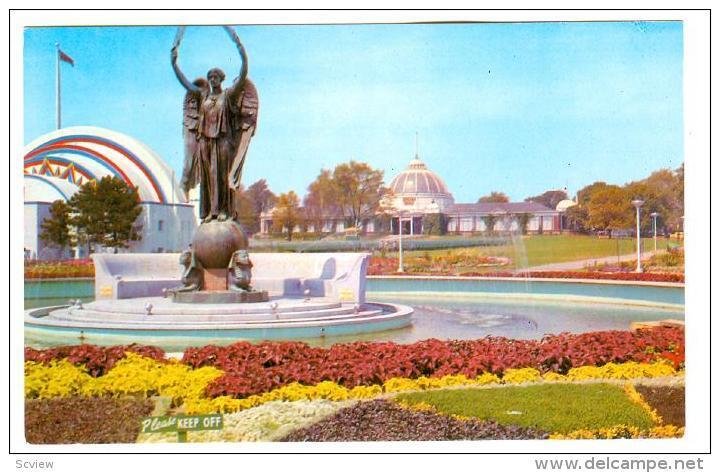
(66, 58)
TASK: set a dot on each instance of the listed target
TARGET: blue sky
(515, 107)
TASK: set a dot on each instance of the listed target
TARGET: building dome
(419, 190)
(563, 205)
(418, 179)
(82, 154)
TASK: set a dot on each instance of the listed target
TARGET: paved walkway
(581, 264)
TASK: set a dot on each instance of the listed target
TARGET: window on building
(160, 225)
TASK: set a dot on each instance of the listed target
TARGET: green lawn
(544, 249)
(558, 408)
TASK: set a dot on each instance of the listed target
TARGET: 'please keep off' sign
(181, 424)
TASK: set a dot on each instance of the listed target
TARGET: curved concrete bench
(339, 276)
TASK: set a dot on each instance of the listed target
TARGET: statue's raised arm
(173, 59)
(234, 90)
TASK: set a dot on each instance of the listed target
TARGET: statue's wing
(244, 128)
(191, 122)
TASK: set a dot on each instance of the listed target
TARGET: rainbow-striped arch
(81, 154)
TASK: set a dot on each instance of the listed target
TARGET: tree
(261, 199)
(434, 224)
(494, 197)
(321, 201)
(359, 191)
(577, 218)
(522, 220)
(104, 212)
(490, 220)
(286, 214)
(244, 209)
(56, 227)
(549, 199)
(611, 208)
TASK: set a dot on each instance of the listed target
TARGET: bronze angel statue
(217, 127)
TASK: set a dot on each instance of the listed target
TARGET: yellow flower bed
(56, 379)
(627, 370)
(623, 432)
(133, 375)
(521, 375)
(292, 392)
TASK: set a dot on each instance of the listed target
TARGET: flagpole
(57, 86)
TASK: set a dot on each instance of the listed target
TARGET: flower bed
(83, 268)
(381, 266)
(251, 369)
(266, 423)
(244, 369)
(667, 401)
(84, 420)
(384, 421)
(290, 383)
(96, 359)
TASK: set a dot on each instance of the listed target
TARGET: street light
(400, 256)
(638, 203)
(654, 215)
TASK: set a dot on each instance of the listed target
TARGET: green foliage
(522, 220)
(494, 196)
(434, 224)
(610, 207)
(577, 218)
(549, 199)
(56, 227)
(603, 206)
(258, 198)
(490, 221)
(245, 212)
(672, 258)
(104, 213)
(558, 407)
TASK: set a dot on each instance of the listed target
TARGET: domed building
(423, 203)
(415, 192)
(55, 165)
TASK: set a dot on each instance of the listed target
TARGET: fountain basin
(175, 324)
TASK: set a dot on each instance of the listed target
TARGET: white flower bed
(268, 422)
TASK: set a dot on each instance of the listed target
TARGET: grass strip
(561, 408)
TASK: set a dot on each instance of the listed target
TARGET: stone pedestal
(215, 279)
(220, 297)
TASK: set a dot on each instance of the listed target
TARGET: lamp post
(638, 203)
(400, 249)
(654, 215)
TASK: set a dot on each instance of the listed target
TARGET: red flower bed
(252, 369)
(256, 368)
(98, 360)
(650, 277)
